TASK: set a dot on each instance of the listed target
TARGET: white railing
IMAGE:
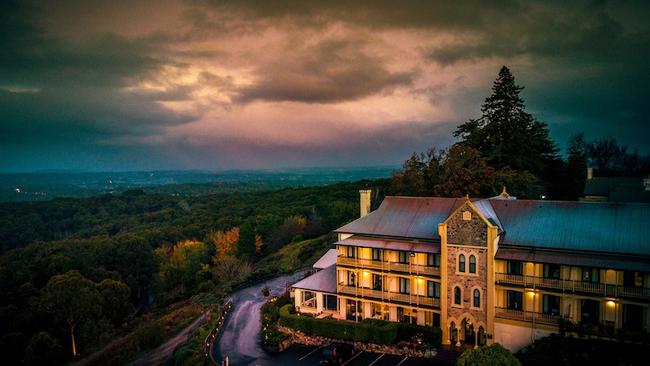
(574, 286)
(387, 296)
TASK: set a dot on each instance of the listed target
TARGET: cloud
(69, 92)
(331, 71)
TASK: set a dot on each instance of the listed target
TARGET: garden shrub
(368, 330)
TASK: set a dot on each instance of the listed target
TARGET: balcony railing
(386, 266)
(526, 316)
(574, 286)
(388, 296)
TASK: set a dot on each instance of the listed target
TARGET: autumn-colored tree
(181, 263)
(225, 242)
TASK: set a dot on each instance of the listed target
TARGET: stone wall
(472, 232)
(467, 282)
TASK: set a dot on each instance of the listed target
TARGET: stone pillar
(367, 313)
(319, 302)
(392, 313)
(343, 307)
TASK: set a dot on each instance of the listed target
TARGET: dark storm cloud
(331, 71)
(70, 92)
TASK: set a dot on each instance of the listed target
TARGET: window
(589, 310)
(632, 279)
(352, 252)
(331, 302)
(461, 263)
(433, 260)
(457, 295)
(515, 268)
(376, 254)
(351, 278)
(433, 289)
(515, 300)
(377, 282)
(404, 285)
(472, 264)
(590, 275)
(552, 271)
(477, 298)
(308, 299)
(551, 304)
(467, 216)
(403, 257)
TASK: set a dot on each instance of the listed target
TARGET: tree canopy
(505, 134)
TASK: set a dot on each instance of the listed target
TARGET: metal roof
(321, 281)
(328, 259)
(566, 225)
(405, 217)
(390, 244)
(586, 226)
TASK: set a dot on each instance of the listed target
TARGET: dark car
(336, 353)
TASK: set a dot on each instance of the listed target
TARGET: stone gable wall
(472, 232)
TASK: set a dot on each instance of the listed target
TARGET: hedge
(368, 330)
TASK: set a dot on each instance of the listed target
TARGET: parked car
(336, 353)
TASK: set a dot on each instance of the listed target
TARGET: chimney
(590, 173)
(364, 201)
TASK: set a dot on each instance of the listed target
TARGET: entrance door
(468, 331)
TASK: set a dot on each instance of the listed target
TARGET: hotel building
(487, 270)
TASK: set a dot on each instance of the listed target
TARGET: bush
(149, 336)
(368, 330)
(494, 355)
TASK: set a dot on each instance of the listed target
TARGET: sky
(213, 85)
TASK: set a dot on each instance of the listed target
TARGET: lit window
(467, 216)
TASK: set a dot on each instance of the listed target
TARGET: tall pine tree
(506, 135)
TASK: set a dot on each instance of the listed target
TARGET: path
(240, 338)
(166, 349)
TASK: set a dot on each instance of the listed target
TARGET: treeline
(508, 147)
(76, 272)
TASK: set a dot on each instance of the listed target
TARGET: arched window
(477, 298)
(472, 264)
(457, 295)
(461, 263)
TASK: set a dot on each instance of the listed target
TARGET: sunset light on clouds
(127, 85)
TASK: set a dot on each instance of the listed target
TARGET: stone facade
(467, 282)
(468, 232)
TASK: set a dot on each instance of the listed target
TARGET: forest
(78, 273)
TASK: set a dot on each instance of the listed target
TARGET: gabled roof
(405, 217)
(321, 281)
(589, 226)
(609, 227)
(328, 259)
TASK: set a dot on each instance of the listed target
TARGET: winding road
(240, 339)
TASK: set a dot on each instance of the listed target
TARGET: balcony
(601, 289)
(385, 266)
(526, 316)
(386, 296)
